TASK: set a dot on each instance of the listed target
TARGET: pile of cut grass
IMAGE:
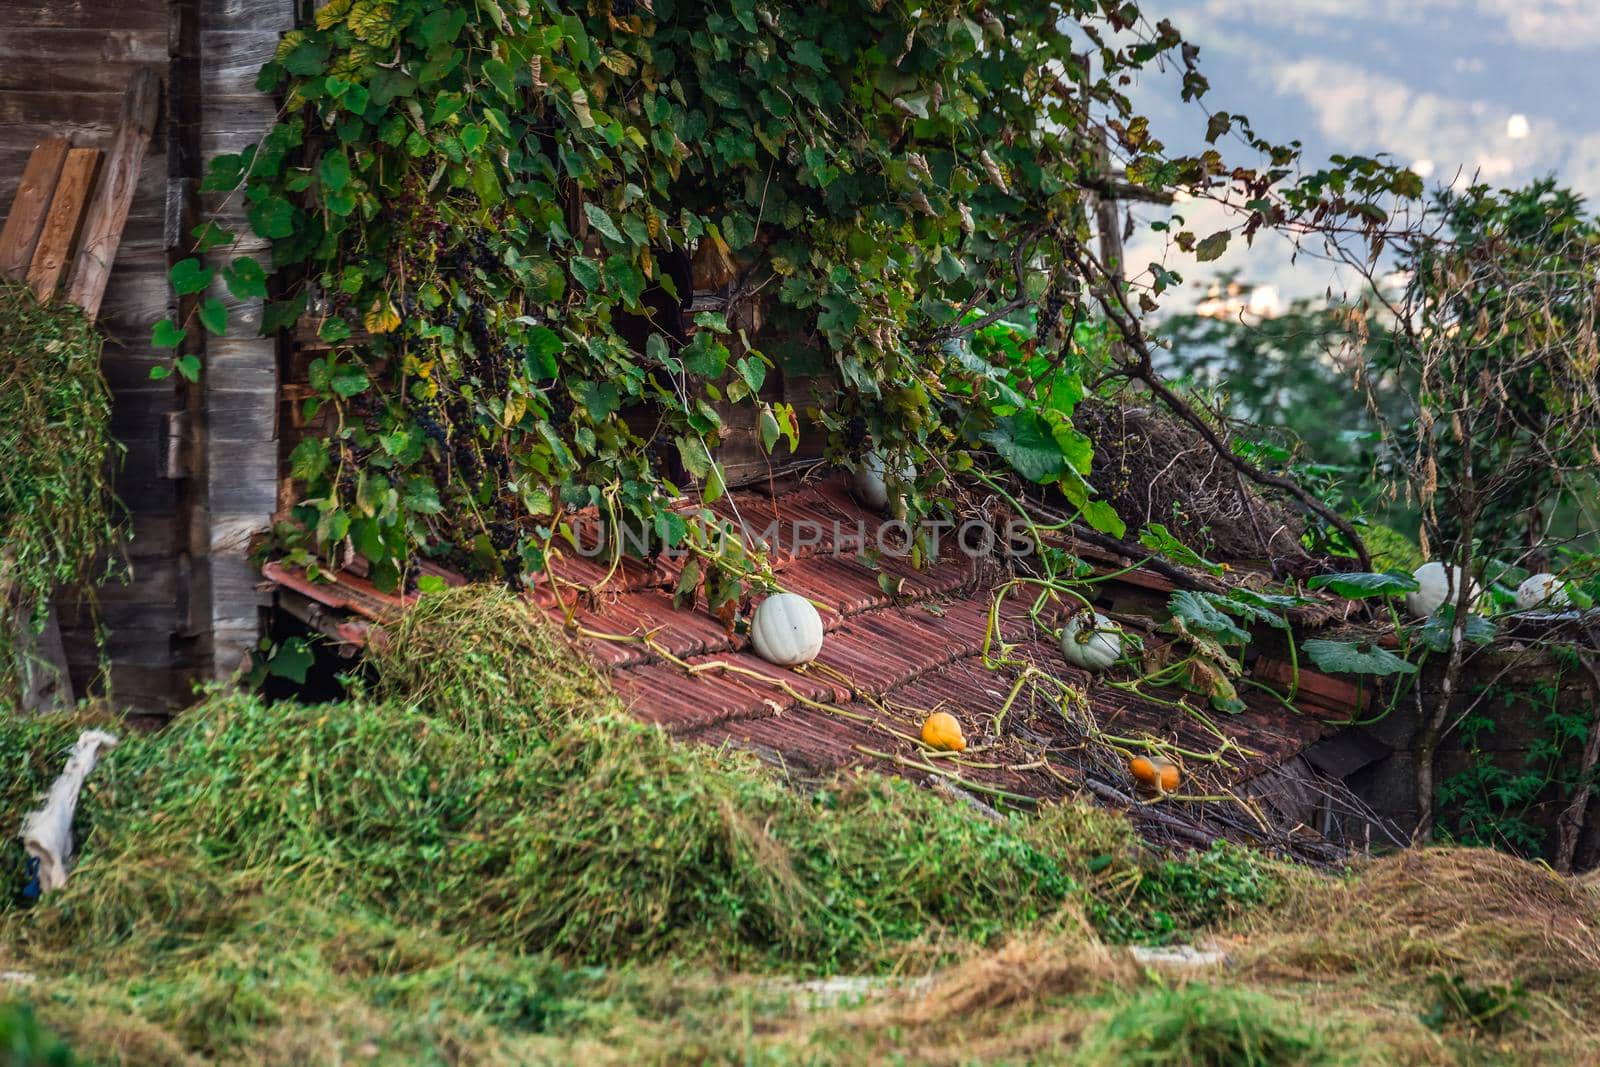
(56, 515)
(481, 657)
(458, 870)
(609, 843)
(525, 818)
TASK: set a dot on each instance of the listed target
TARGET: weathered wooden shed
(198, 475)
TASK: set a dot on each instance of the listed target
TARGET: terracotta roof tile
(888, 660)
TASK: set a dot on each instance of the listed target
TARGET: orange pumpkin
(1170, 777)
(941, 730)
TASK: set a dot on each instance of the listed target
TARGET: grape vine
(495, 215)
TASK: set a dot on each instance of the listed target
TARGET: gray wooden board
(96, 15)
(92, 60)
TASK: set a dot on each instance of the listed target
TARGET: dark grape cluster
(427, 421)
(503, 535)
(467, 461)
(472, 251)
(490, 359)
(659, 455)
(560, 406)
(855, 437)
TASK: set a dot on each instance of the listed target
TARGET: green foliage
(1200, 1025)
(289, 659)
(1158, 539)
(1495, 805)
(1434, 633)
(489, 212)
(1361, 586)
(1281, 374)
(1355, 657)
(1391, 550)
(1284, 379)
(1155, 904)
(24, 1043)
(57, 521)
(1499, 392)
(1488, 1009)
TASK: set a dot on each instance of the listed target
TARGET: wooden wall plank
(230, 62)
(240, 446)
(89, 112)
(56, 60)
(102, 231)
(274, 15)
(86, 14)
(67, 207)
(28, 209)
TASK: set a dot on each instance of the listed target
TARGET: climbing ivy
(1493, 804)
(494, 214)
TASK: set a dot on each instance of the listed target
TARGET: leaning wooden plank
(26, 220)
(46, 685)
(61, 225)
(102, 232)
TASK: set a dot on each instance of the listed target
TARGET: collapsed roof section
(904, 642)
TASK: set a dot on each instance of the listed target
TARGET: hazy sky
(1509, 88)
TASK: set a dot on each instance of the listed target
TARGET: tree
(1287, 381)
(1494, 337)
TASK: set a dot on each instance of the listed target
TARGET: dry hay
(1154, 469)
(995, 1006)
(1482, 914)
(1025, 969)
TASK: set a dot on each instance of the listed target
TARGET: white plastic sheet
(47, 833)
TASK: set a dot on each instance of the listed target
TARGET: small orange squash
(1145, 772)
(1156, 775)
(941, 730)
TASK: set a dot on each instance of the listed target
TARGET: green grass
(24, 1043)
(1204, 1025)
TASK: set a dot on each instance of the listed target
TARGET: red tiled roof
(888, 661)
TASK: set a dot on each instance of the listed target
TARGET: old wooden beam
(60, 231)
(102, 232)
(28, 209)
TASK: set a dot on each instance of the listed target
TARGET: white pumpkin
(1437, 584)
(1542, 591)
(1091, 641)
(871, 483)
(786, 630)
